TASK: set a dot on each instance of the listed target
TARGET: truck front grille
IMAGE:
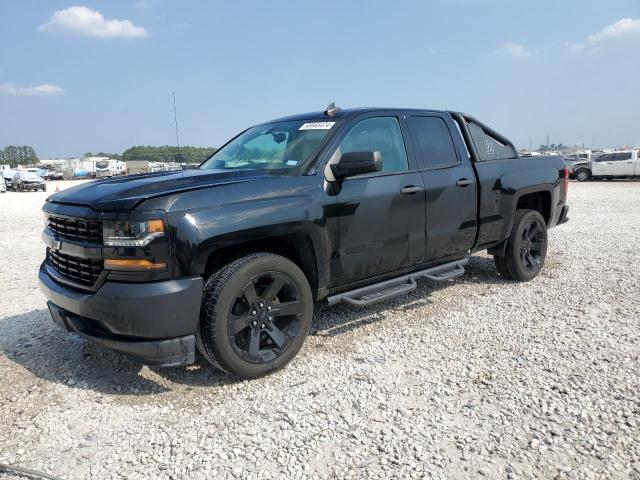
(76, 228)
(83, 271)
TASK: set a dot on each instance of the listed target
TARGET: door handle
(410, 190)
(464, 182)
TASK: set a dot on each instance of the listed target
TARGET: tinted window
(380, 134)
(433, 142)
(617, 157)
(604, 158)
(488, 147)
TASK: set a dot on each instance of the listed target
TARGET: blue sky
(98, 75)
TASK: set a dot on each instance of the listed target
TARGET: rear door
(618, 164)
(381, 215)
(450, 183)
(623, 164)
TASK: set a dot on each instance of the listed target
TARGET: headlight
(131, 234)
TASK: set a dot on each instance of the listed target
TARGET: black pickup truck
(335, 206)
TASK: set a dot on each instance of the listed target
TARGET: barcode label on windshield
(317, 126)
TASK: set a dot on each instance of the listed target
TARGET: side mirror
(357, 163)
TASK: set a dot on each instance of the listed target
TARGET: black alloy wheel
(533, 243)
(265, 317)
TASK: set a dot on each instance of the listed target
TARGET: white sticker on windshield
(292, 163)
(317, 126)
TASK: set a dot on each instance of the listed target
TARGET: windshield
(102, 164)
(29, 176)
(274, 147)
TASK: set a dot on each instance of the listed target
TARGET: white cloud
(512, 50)
(37, 91)
(84, 21)
(622, 31)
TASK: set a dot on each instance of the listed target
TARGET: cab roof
(346, 113)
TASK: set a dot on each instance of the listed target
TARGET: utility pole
(175, 119)
(548, 140)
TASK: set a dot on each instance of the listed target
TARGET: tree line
(16, 155)
(168, 153)
(26, 155)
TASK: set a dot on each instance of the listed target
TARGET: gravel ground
(478, 378)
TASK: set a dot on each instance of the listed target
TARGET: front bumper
(33, 186)
(153, 322)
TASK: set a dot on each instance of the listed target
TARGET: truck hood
(125, 193)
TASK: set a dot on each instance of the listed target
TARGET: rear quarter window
(489, 148)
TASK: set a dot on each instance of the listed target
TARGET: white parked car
(616, 164)
(3, 187)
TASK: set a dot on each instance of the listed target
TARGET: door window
(433, 142)
(618, 157)
(380, 134)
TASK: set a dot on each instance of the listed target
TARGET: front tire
(526, 247)
(501, 267)
(256, 313)
(583, 175)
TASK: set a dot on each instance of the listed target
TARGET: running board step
(378, 292)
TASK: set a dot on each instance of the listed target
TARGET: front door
(381, 215)
(450, 183)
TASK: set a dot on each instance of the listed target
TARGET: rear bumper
(154, 322)
(563, 218)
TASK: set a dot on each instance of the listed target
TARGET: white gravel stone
(474, 378)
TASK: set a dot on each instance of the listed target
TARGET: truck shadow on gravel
(32, 341)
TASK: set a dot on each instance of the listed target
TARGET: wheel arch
(296, 246)
(538, 198)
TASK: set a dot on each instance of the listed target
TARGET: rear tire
(527, 246)
(256, 313)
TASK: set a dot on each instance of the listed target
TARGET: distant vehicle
(25, 180)
(617, 165)
(138, 166)
(87, 168)
(56, 174)
(580, 164)
(41, 172)
(7, 176)
(102, 169)
(109, 168)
